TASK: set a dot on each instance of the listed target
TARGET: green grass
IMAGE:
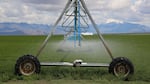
(62, 81)
(134, 47)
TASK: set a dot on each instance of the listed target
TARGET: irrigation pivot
(74, 23)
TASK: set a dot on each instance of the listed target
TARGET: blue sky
(103, 11)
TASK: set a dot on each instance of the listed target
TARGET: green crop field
(136, 47)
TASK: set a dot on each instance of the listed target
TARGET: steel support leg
(96, 28)
(53, 29)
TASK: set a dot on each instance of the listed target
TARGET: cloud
(47, 11)
(45, 5)
(142, 6)
(141, 12)
(12, 11)
(118, 4)
(113, 20)
(56, 2)
(5, 9)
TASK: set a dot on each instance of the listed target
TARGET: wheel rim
(121, 70)
(27, 67)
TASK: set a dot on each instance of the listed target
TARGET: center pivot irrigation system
(29, 64)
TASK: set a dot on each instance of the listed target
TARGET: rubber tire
(27, 57)
(121, 60)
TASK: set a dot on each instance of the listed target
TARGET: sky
(102, 11)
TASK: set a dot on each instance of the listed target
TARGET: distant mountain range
(41, 29)
(23, 29)
(124, 28)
